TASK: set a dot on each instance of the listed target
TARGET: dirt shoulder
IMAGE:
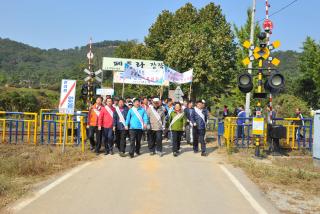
(22, 166)
(291, 182)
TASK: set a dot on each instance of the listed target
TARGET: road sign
(105, 91)
(67, 96)
(257, 125)
(178, 95)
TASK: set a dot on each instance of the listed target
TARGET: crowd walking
(113, 122)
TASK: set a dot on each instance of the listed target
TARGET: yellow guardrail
(230, 132)
(230, 128)
(19, 123)
(75, 129)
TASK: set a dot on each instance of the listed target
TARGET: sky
(66, 24)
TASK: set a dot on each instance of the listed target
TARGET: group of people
(112, 121)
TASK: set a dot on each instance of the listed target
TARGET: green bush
(286, 104)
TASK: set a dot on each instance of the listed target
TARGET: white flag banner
(141, 76)
(177, 77)
(187, 76)
(118, 64)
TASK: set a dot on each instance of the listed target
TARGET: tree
(308, 87)
(190, 38)
(243, 34)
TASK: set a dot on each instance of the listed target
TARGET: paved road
(147, 184)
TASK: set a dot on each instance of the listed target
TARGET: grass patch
(21, 166)
(287, 177)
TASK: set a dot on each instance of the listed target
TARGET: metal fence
(240, 135)
(18, 127)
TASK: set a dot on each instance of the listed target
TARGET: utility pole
(248, 95)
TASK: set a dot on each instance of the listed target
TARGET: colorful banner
(139, 76)
(177, 77)
(117, 64)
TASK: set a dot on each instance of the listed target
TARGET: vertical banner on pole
(67, 96)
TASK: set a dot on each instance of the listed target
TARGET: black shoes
(175, 154)
(131, 155)
(204, 154)
(122, 154)
(152, 153)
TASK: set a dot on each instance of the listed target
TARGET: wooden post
(122, 94)
(161, 92)
(190, 91)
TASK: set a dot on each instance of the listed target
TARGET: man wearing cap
(106, 121)
(157, 117)
(119, 123)
(199, 120)
(136, 122)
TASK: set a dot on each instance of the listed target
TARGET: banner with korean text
(139, 76)
(177, 77)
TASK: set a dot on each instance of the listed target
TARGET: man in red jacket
(105, 121)
(92, 126)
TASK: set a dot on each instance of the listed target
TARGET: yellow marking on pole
(276, 44)
(28, 131)
(246, 44)
(246, 61)
(275, 61)
(35, 128)
(4, 131)
(72, 130)
(60, 130)
(82, 133)
(293, 136)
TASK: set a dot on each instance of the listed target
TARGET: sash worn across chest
(135, 111)
(121, 118)
(177, 117)
(199, 112)
(109, 111)
(156, 114)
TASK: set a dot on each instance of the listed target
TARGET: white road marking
(44, 190)
(243, 191)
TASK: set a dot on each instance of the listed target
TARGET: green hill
(24, 66)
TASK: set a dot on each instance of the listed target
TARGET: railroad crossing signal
(275, 82)
(261, 53)
(93, 75)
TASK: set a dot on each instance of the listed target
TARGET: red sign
(267, 24)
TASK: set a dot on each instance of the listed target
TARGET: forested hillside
(24, 66)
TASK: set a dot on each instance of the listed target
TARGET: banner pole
(122, 94)
(113, 80)
(190, 91)
(161, 91)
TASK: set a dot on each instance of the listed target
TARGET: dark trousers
(176, 140)
(240, 131)
(198, 137)
(155, 140)
(108, 139)
(121, 140)
(189, 136)
(135, 140)
(91, 131)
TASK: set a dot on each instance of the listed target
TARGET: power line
(281, 9)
